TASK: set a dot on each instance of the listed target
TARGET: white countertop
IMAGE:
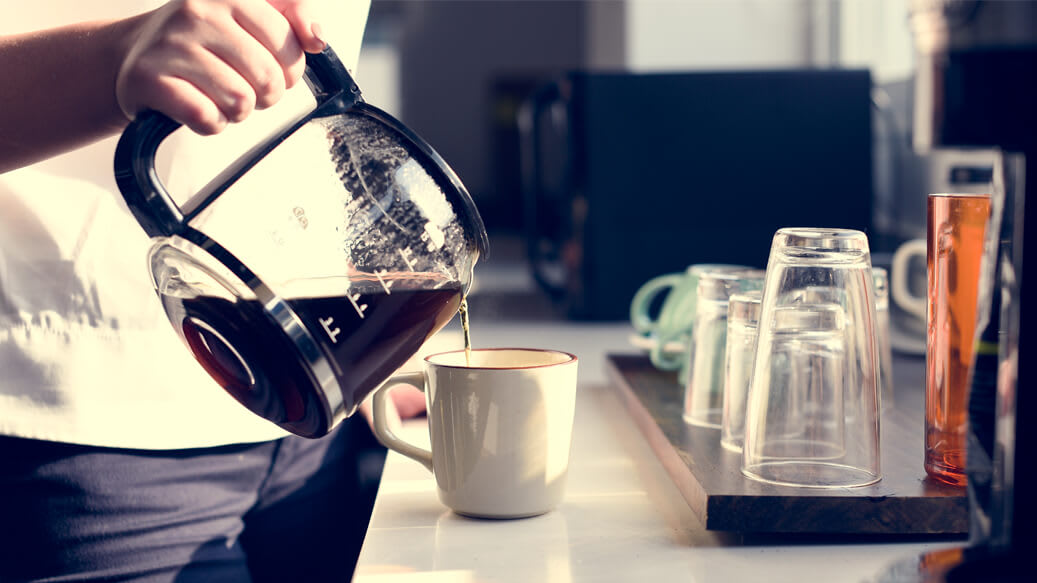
(622, 518)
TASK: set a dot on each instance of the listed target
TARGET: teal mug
(671, 326)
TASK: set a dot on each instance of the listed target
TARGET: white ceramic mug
(900, 278)
(500, 428)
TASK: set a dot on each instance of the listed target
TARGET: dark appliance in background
(976, 86)
(627, 176)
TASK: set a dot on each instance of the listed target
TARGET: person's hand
(207, 63)
(407, 402)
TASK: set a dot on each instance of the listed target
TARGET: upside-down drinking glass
(812, 415)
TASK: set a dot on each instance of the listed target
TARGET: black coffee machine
(976, 86)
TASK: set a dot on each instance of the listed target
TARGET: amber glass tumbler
(955, 236)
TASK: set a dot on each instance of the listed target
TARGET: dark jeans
(290, 510)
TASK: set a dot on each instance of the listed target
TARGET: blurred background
(609, 141)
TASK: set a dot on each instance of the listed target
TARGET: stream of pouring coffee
(462, 310)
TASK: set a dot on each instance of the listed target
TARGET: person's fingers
(240, 54)
(409, 401)
(140, 87)
(399, 396)
(264, 75)
(276, 51)
(148, 81)
(184, 103)
(302, 18)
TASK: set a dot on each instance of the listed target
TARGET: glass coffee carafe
(310, 269)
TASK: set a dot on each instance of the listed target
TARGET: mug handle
(385, 435)
(666, 360)
(898, 278)
(639, 316)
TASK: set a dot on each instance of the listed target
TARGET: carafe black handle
(150, 202)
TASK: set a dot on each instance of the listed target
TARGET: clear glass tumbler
(743, 314)
(704, 390)
(812, 414)
(881, 280)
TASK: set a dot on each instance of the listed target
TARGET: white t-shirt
(86, 353)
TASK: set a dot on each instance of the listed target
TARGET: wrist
(120, 38)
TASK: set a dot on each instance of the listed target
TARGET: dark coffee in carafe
(367, 336)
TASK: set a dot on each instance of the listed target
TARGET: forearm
(58, 89)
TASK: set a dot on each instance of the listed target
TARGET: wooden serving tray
(709, 477)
